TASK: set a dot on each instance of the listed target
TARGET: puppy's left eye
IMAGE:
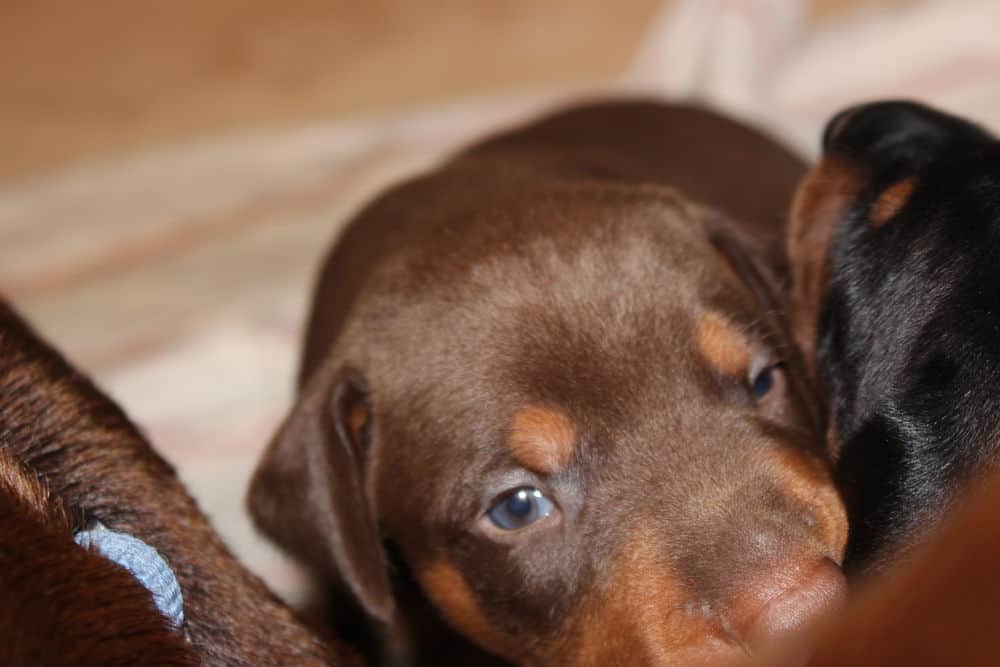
(522, 507)
(763, 382)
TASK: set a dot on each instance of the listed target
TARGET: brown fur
(57, 427)
(641, 617)
(30, 495)
(449, 591)
(542, 439)
(64, 605)
(807, 478)
(564, 264)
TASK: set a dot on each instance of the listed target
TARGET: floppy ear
(746, 258)
(825, 195)
(308, 492)
(744, 255)
(877, 145)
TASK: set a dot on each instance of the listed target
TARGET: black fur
(909, 328)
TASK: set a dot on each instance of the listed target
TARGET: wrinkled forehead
(597, 315)
(559, 316)
(604, 351)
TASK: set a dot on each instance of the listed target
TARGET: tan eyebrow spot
(890, 202)
(542, 439)
(450, 593)
(722, 344)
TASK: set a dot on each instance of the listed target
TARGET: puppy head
(872, 164)
(584, 440)
(892, 242)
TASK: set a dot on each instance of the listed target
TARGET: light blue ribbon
(143, 562)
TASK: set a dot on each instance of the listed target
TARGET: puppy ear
(308, 492)
(890, 133)
(876, 148)
(823, 198)
(746, 259)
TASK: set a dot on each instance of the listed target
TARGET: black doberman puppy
(895, 243)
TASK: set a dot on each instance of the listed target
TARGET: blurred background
(170, 173)
(83, 81)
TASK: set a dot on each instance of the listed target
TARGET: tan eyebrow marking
(722, 344)
(891, 201)
(542, 439)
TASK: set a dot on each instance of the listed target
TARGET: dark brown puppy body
(64, 605)
(553, 396)
(895, 250)
(68, 456)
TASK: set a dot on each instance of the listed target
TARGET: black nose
(897, 131)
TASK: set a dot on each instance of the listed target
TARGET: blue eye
(521, 508)
(764, 382)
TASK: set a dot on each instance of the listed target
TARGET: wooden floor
(86, 79)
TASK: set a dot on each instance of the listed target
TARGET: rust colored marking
(822, 199)
(722, 344)
(542, 439)
(644, 613)
(891, 202)
(450, 593)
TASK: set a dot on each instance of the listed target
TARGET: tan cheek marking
(722, 345)
(451, 595)
(890, 202)
(542, 439)
(821, 200)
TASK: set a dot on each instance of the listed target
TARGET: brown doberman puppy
(549, 400)
(70, 461)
